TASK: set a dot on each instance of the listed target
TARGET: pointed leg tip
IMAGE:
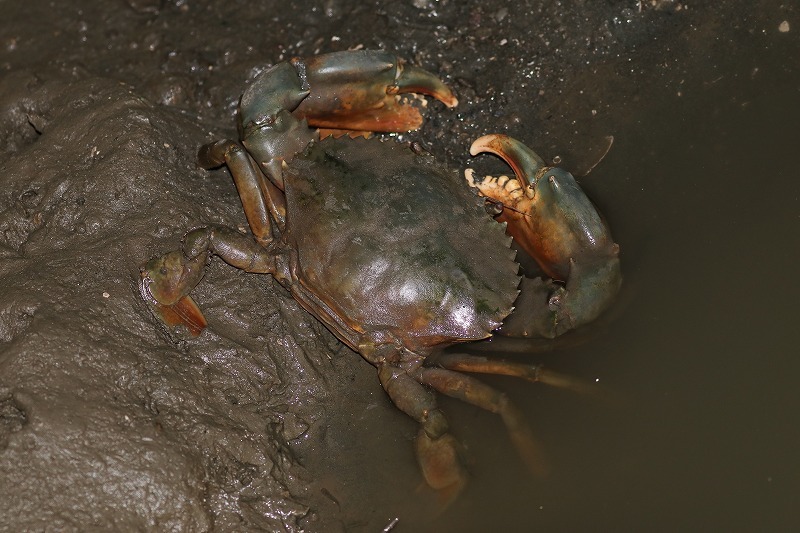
(190, 315)
(184, 312)
(441, 466)
(530, 450)
(447, 495)
(162, 290)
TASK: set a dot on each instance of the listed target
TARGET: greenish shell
(397, 243)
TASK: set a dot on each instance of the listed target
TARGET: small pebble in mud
(784, 27)
(146, 6)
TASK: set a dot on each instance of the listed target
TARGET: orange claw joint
(165, 285)
(552, 219)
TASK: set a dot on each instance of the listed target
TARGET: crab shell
(394, 244)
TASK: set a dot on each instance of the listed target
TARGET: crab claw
(165, 285)
(547, 212)
(552, 219)
(360, 91)
(411, 79)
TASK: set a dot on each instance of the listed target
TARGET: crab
(391, 251)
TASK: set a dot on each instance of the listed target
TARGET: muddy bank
(108, 420)
(266, 422)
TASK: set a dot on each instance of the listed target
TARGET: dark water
(701, 431)
(703, 351)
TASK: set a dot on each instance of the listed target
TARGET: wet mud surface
(266, 422)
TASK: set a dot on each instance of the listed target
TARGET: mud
(266, 422)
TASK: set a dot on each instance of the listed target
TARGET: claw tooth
(512, 183)
(469, 175)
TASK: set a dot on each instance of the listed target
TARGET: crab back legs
(412, 388)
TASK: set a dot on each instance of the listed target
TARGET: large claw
(352, 90)
(551, 218)
(360, 91)
(355, 92)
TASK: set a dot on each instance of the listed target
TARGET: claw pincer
(355, 91)
(551, 218)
